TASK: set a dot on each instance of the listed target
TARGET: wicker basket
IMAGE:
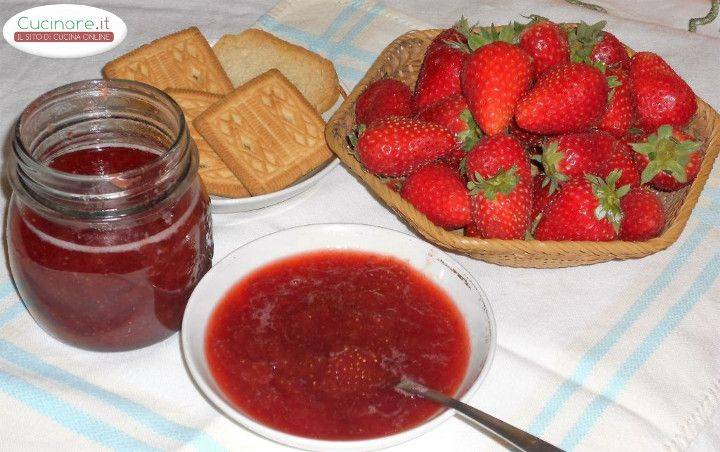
(401, 60)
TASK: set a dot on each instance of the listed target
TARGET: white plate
(433, 263)
(253, 204)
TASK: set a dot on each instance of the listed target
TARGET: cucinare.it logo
(64, 31)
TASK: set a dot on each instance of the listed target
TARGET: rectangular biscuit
(215, 174)
(266, 132)
(180, 60)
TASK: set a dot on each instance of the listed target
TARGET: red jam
(110, 287)
(313, 344)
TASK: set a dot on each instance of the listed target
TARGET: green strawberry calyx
(613, 82)
(504, 181)
(353, 137)
(479, 36)
(582, 39)
(608, 197)
(550, 160)
(470, 136)
(666, 153)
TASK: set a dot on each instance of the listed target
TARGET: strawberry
(396, 146)
(438, 191)
(382, 98)
(610, 51)
(532, 142)
(499, 172)
(585, 208)
(541, 195)
(439, 75)
(621, 158)
(661, 96)
(669, 159)
(619, 113)
(643, 215)
(566, 98)
(472, 230)
(590, 44)
(494, 77)
(546, 42)
(354, 370)
(453, 114)
(567, 156)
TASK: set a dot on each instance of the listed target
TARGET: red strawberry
(661, 96)
(668, 159)
(643, 216)
(472, 230)
(453, 114)
(353, 371)
(439, 75)
(621, 158)
(499, 172)
(569, 155)
(610, 51)
(494, 78)
(532, 142)
(396, 146)
(566, 98)
(438, 191)
(619, 113)
(590, 44)
(382, 98)
(585, 208)
(546, 43)
(605, 144)
(541, 195)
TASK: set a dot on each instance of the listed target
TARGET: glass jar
(108, 227)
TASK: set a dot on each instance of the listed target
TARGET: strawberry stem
(608, 197)
(708, 18)
(472, 134)
(504, 181)
(666, 153)
(550, 160)
(591, 6)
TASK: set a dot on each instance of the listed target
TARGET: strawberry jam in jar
(108, 227)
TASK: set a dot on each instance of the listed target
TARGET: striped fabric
(618, 356)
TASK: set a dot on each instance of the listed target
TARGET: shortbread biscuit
(215, 174)
(266, 132)
(180, 60)
(253, 52)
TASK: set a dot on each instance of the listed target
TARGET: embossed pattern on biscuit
(267, 132)
(181, 60)
(218, 178)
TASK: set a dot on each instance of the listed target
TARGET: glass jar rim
(54, 191)
(27, 158)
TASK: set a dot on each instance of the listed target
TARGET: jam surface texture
(313, 344)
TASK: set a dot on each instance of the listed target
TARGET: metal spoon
(522, 440)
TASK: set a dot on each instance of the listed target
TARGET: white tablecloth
(620, 356)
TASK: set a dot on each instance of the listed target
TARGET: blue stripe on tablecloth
(67, 415)
(643, 352)
(325, 46)
(709, 217)
(593, 356)
(143, 415)
(345, 46)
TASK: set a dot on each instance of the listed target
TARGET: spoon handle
(521, 439)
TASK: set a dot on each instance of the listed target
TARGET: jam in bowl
(301, 335)
(108, 227)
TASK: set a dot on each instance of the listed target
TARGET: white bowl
(254, 203)
(433, 263)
